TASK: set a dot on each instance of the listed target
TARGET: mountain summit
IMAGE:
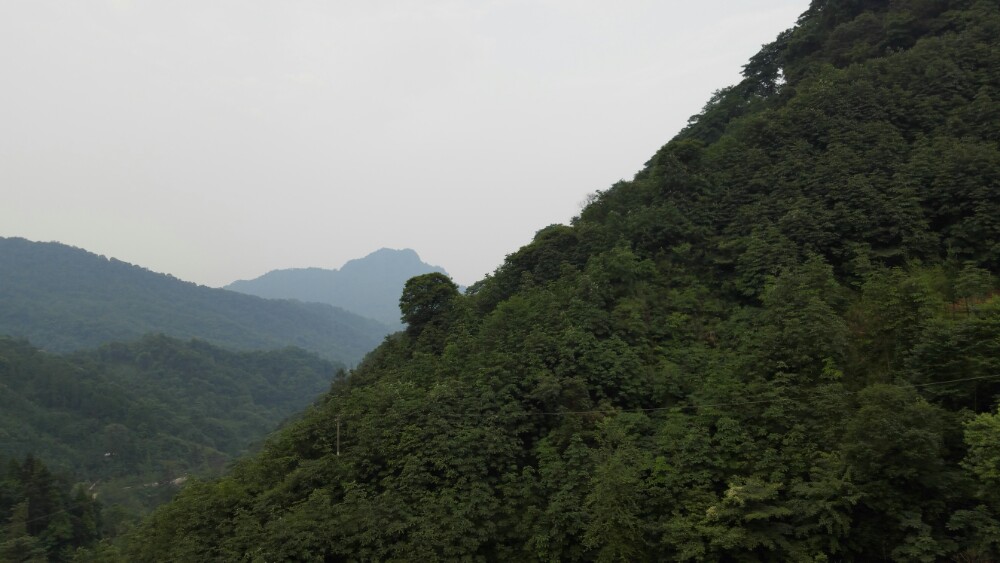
(368, 286)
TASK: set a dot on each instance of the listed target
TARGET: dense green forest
(64, 299)
(46, 517)
(779, 342)
(368, 286)
(134, 420)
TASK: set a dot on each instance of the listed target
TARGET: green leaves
(982, 434)
(426, 303)
(801, 324)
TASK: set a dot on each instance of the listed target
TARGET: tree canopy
(425, 299)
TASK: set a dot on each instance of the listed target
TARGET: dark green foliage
(425, 299)
(64, 299)
(966, 348)
(778, 342)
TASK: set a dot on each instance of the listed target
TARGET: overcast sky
(218, 140)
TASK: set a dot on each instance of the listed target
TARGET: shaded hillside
(148, 411)
(63, 298)
(368, 286)
(778, 342)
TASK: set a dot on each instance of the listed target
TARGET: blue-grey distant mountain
(368, 286)
(63, 299)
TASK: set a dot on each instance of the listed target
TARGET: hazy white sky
(218, 140)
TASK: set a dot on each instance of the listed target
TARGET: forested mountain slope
(779, 342)
(369, 286)
(154, 410)
(63, 298)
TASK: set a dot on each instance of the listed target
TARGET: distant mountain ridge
(368, 286)
(63, 298)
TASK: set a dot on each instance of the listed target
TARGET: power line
(51, 514)
(956, 380)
